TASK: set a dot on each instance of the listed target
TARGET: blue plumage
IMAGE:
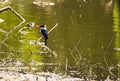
(44, 33)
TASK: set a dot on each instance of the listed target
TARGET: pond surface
(87, 35)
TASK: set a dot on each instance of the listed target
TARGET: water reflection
(81, 40)
(116, 26)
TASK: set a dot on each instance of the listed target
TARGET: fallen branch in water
(18, 15)
(11, 9)
(73, 50)
(104, 57)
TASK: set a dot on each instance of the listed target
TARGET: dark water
(88, 33)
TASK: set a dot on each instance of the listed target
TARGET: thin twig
(108, 46)
(107, 51)
(105, 61)
(74, 48)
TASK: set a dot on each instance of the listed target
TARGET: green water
(87, 34)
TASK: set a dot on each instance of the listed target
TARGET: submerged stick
(3, 31)
(3, 9)
(18, 15)
(66, 67)
(105, 61)
(55, 55)
(107, 51)
(10, 8)
(53, 28)
(108, 46)
(75, 48)
(73, 57)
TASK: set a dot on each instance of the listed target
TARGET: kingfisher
(44, 32)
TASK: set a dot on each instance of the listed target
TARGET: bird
(44, 33)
